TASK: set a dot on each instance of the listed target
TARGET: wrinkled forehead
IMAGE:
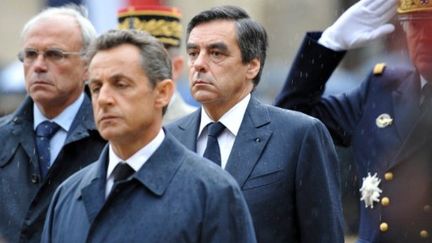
(60, 29)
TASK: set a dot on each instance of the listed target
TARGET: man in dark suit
(284, 161)
(145, 186)
(31, 165)
(386, 120)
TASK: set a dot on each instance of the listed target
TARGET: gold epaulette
(379, 68)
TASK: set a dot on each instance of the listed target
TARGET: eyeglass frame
(62, 54)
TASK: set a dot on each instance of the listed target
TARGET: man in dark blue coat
(145, 186)
(284, 161)
(54, 77)
(386, 120)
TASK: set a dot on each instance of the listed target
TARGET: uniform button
(388, 176)
(34, 178)
(427, 208)
(424, 234)
(385, 201)
(384, 227)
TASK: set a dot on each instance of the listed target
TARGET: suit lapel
(93, 190)
(406, 104)
(419, 135)
(188, 127)
(253, 136)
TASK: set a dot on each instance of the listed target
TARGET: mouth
(200, 81)
(107, 118)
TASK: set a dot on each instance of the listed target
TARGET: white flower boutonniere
(370, 192)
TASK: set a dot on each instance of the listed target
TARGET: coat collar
(156, 175)
(18, 129)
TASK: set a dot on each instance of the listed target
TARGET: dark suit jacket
(286, 167)
(176, 196)
(401, 150)
(24, 196)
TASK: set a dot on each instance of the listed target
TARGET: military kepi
(160, 21)
(412, 6)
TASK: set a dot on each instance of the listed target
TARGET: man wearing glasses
(52, 134)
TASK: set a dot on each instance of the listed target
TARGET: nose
(39, 64)
(200, 62)
(104, 96)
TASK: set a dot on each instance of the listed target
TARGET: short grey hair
(155, 60)
(79, 13)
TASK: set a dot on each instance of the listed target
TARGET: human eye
(30, 54)
(94, 87)
(54, 54)
(192, 53)
(217, 55)
(120, 82)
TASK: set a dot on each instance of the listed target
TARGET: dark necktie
(44, 132)
(212, 151)
(122, 171)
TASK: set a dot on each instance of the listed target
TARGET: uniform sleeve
(318, 197)
(304, 87)
(227, 218)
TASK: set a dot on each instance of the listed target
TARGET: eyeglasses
(29, 55)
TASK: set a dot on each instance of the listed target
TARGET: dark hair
(251, 36)
(155, 60)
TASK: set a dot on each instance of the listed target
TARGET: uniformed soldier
(386, 120)
(163, 22)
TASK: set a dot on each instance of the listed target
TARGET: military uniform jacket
(176, 196)
(382, 122)
(24, 196)
(286, 167)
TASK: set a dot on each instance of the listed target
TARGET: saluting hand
(365, 21)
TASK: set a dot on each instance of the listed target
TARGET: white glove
(363, 22)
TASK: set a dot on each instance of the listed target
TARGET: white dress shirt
(231, 120)
(136, 161)
(64, 120)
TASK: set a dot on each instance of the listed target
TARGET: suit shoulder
(294, 117)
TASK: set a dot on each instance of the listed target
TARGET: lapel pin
(384, 120)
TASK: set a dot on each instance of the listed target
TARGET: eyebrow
(218, 45)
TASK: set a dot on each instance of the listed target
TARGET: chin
(425, 69)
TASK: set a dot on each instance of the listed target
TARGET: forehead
(57, 30)
(212, 32)
(121, 59)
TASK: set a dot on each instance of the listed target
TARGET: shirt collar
(231, 119)
(137, 160)
(423, 81)
(64, 119)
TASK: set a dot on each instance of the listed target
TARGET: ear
(163, 92)
(253, 68)
(85, 74)
(177, 67)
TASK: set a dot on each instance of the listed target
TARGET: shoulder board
(379, 68)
